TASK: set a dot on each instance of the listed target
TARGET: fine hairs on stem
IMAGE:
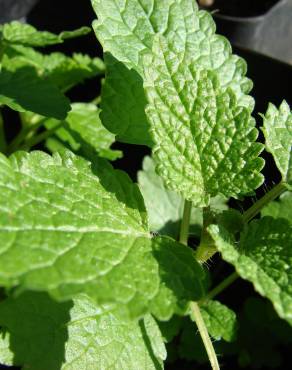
(196, 313)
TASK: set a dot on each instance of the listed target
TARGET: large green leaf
(278, 134)
(165, 207)
(61, 70)
(126, 30)
(25, 34)
(204, 141)
(47, 335)
(264, 257)
(23, 90)
(66, 228)
(84, 132)
(281, 208)
(220, 320)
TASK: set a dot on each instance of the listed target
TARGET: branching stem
(259, 204)
(196, 313)
(221, 286)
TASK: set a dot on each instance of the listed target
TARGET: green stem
(185, 223)
(220, 287)
(41, 137)
(258, 205)
(207, 248)
(2, 135)
(196, 313)
(17, 142)
(205, 336)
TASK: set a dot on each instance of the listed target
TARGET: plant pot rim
(250, 19)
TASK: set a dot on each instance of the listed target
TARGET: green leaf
(48, 335)
(66, 228)
(63, 71)
(23, 90)
(278, 134)
(165, 207)
(220, 320)
(25, 34)
(264, 258)
(123, 104)
(204, 141)
(84, 132)
(126, 30)
(281, 208)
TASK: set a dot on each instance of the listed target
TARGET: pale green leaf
(47, 335)
(281, 208)
(84, 132)
(23, 90)
(204, 141)
(278, 134)
(219, 320)
(126, 30)
(264, 257)
(25, 34)
(165, 207)
(66, 228)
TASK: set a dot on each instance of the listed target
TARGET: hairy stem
(221, 286)
(196, 313)
(206, 249)
(205, 336)
(259, 204)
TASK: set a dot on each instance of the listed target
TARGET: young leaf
(220, 320)
(204, 141)
(278, 134)
(25, 34)
(165, 207)
(281, 208)
(77, 333)
(127, 29)
(84, 132)
(264, 258)
(23, 90)
(66, 228)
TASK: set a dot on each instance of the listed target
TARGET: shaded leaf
(66, 228)
(264, 257)
(281, 208)
(23, 90)
(78, 333)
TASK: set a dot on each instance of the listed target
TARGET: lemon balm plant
(96, 268)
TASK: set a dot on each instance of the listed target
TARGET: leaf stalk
(196, 313)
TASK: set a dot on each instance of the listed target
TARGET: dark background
(272, 83)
